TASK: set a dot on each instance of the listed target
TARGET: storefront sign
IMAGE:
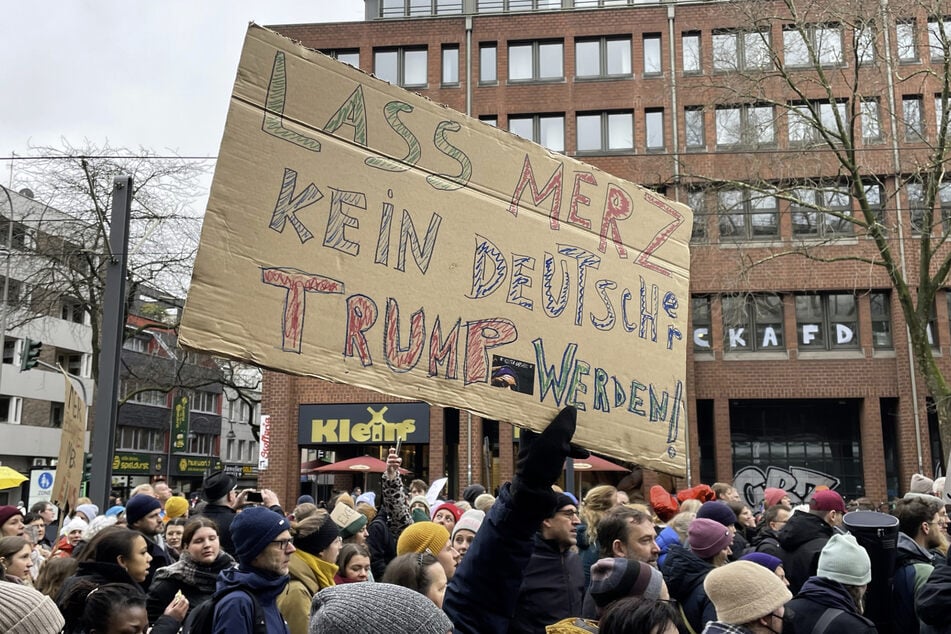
(197, 465)
(180, 411)
(136, 463)
(241, 470)
(363, 234)
(364, 423)
(264, 449)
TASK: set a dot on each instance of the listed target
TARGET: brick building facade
(800, 372)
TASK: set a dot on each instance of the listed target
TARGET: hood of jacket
(827, 593)
(764, 534)
(266, 585)
(667, 538)
(683, 571)
(910, 552)
(801, 528)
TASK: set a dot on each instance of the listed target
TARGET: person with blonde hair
(595, 506)
(674, 533)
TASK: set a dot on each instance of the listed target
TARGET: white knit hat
(471, 520)
(75, 524)
(843, 560)
(743, 591)
(23, 610)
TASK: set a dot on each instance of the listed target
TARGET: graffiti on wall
(798, 482)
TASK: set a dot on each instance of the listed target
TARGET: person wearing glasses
(921, 519)
(312, 567)
(553, 585)
(263, 546)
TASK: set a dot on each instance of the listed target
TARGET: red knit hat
(772, 496)
(447, 506)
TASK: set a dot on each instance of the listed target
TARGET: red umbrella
(593, 463)
(360, 464)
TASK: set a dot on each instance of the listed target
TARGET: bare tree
(825, 103)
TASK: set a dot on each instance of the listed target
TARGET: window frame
(827, 341)
(748, 209)
(742, 51)
(536, 49)
(701, 315)
(906, 39)
(484, 47)
(604, 62)
(401, 64)
(537, 120)
(653, 59)
(651, 130)
(755, 321)
(450, 66)
(694, 55)
(816, 39)
(823, 197)
(880, 309)
(747, 128)
(605, 118)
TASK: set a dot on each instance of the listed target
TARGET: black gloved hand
(541, 457)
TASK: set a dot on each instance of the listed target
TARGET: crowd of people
(528, 559)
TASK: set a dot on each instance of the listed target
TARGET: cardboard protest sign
(360, 233)
(69, 466)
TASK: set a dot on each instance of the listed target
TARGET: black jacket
(552, 588)
(816, 597)
(222, 516)
(802, 539)
(381, 543)
(913, 566)
(684, 573)
(767, 541)
(933, 603)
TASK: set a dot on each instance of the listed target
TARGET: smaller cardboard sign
(69, 467)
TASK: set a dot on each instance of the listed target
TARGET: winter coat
(484, 591)
(552, 588)
(816, 597)
(234, 613)
(667, 538)
(99, 573)
(802, 539)
(196, 582)
(767, 541)
(160, 559)
(913, 566)
(684, 573)
(222, 516)
(309, 574)
(933, 603)
(381, 543)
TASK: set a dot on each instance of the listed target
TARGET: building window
(450, 65)
(536, 61)
(871, 120)
(21, 238)
(72, 363)
(605, 132)
(753, 323)
(875, 200)
(547, 130)
(56, 414)
(488, 54)
(939, 113)
(810, 217)
(10, 409)
(690, 45)
(9, 349)
(654, 123)
(136, 343)
(808, 121)
(812, 45)
(880, 303)
(939, 37)
(696, 200)
(827, 322)
(746, 215)
(693, 128)
(912, 118)
(907, 50)
(404, 67)
(206, 402)
(347, 56)
(139, 438)
(865, 43)
(745, 125)
(490, 119)
(71, 310)
(701, 323)
(603, 57)
(202, 444)
(931, 330)
(740, 50)
(652, 55)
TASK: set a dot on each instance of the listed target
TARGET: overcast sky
(156, 74)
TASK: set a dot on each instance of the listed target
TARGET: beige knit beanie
(23, 610)
(743, 591)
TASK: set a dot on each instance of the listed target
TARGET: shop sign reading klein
(364, 423)
(363, 234)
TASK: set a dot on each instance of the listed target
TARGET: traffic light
(30, 355)
(87, 467)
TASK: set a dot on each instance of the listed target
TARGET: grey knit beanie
(842, 559)
(23, 610)
(354, 608)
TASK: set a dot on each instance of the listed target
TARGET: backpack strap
(826, 620)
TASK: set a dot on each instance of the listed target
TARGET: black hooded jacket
(684, 573)
(818, 596)
(802, 539)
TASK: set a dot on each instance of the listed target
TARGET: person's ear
(618, 548)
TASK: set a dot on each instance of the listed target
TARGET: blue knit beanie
(717, 511)
(138, 506)
(253, 529)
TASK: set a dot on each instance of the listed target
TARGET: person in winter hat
(23, 610)
(465, 530)
(87, 512)
(685, 568)
(615, 578)
(773, 496)
(471, 492)
(433, 538)
(835, 594)
(805, 533)
(921, 484)
(263, 545)
(749, 599)
(484, 593)
(355, 608)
